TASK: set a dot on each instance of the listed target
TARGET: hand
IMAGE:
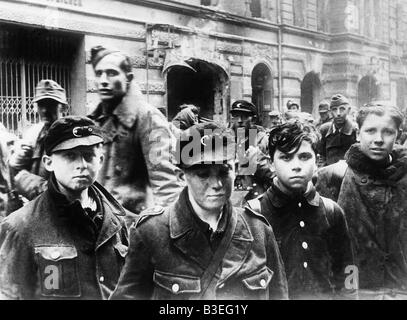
(21, 154)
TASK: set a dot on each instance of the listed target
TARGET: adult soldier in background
(337, 136)
(253, 173)
(275, 119)
(324, 114)
(187, 117)
(293, 106)
(30, 176)
(202, 247)
(138, 167)
(7, 140)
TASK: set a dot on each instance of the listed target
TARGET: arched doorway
(311, 93)
(368, 90)
(262, 90)
(201, 84)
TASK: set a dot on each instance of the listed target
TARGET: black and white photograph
(221, 151)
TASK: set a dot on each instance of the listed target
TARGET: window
(209, 2)
(322, 15)
(299, 12)
(255, 8)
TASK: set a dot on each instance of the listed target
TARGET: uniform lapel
(239, 246)
(188, 238)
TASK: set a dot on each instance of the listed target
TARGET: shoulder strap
(210, 271)
(329, 205)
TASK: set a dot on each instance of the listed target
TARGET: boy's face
(75, 169)
(295, 170)
(377, 136)
(340, 113)
(211, 185)
(110, 78)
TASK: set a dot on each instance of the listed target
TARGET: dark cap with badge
(243, 106)
(49, 89)
(71, 132)
(205, 143)
(338, 100)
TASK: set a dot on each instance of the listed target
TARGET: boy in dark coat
(69, 242)
(311, 230)
(372, 191)
(202, 247)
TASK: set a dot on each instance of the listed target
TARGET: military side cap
(70, 132)
(323, 106)
(97, 53)
(205, 143)
(338, 100)
(243, 106)
(49, 89)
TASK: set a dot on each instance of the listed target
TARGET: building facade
(207, 52)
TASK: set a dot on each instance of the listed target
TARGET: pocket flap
(121, 249)
(177, 284)
(56, 253)
(259, 280)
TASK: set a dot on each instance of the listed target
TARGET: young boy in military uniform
(311, 230)
(201, 247)
(68, 243)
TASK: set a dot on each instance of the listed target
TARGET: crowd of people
(123, 204)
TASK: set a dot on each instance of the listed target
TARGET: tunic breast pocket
(258, 280)
(58, 271)
(175, 286)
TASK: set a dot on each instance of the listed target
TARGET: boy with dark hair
(311, 231)
(371, 187)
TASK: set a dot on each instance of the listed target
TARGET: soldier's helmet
(205, 143)
(49, 89)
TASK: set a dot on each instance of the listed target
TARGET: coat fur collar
(393, 170)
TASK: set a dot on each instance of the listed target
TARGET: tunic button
(256, 193)
(299, 205)
(305, 265)
(102, 279)
(55, 255)
(263, 283)
(302, 224)
(175, 287)
(305, 245)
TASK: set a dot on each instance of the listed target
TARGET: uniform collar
(189, 239)
(73, 211)
(347, 128)
(127, 110)
(280, 199)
